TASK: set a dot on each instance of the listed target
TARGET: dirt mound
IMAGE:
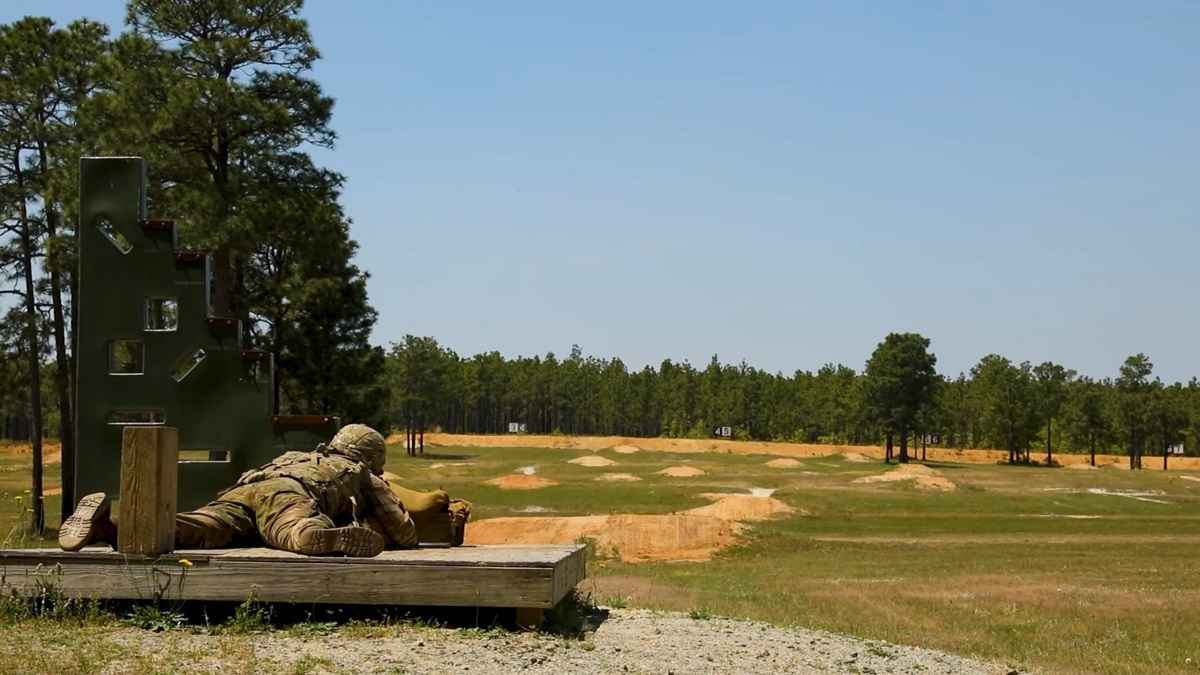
(859, 453)
(634, 538)
(785, 463)
(390, 477)
(1122, 466)
(915, 470)
(1190, 478)
(627, 449)
(521, 481)
(742, 507)
(592, 460)
(680, 471)
(921, 475)
(1084, 467)
(617, 477)
(692, 535)
(51, 450)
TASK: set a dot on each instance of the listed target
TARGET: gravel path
(626, 641)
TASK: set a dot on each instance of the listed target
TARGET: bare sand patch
(1121, 466)
(921, 475)
(627, 449)
(856, 457)
(592, 460)
(389, 476)
(1191, 478)
(634, 538)
(785, 463)
(521, 481)
(680, 471)
(1085, 467)
(617, 477)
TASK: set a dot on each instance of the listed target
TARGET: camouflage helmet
(361, 442)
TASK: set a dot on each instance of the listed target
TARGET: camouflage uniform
(438, 516)
(304, 502)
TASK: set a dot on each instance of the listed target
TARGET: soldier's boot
(355, 541)
(90, 523)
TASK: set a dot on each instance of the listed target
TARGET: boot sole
(77, 530)
(356, 542)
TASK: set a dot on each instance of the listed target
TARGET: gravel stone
(625, 641)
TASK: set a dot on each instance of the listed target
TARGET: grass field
(1054, 570)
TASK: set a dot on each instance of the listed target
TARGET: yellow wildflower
(19, 497)
(27, 492)
(185, 562)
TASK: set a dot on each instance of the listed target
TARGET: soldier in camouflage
(313, 503)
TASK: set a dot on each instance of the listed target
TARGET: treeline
(217, 97)
(898, 398)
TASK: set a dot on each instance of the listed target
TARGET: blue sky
(780, 182)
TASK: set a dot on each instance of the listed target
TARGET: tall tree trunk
(888, 455)
(63, 373)
(1093, 448)
(37, 522)
(903, 443)
(1049, 425)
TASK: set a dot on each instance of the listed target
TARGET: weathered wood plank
(569, 571)
(324, 583)
(149, 485)
(485, 576)
(498, 555)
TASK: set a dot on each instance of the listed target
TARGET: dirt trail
(852, 452)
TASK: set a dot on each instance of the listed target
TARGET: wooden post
(149, 485)
(529, 618)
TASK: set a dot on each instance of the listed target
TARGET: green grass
(15, 502)
(994, 569)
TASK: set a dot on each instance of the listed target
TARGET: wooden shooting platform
(528, 578)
